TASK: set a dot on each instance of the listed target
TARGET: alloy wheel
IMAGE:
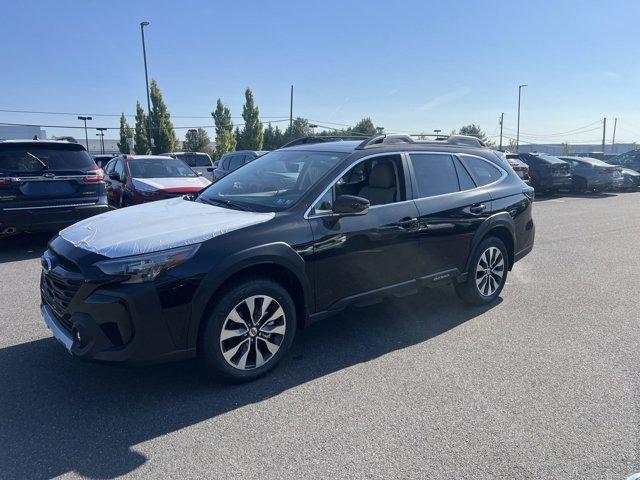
(490, 271)
(253, 332)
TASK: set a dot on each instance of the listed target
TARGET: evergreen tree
(141, 141)
(268, 138)
(225, 139)
(126, 132)
(299, 128)
(162, 131)
(251, 136)
(197, 140)
(237, 136)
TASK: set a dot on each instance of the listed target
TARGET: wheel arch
(277, 261)
(501, 226)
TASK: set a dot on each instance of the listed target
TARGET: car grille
(58, 289)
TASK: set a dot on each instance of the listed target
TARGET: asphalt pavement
(542, 384)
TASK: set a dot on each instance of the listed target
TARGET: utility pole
(86, 135)
(518, 131)
(501, 123)
(146, 77)
(604, 132)
(291, 111)
(613, 140)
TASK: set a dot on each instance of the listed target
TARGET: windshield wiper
(44, 165)
(224, 203)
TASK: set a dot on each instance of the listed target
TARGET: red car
(135, 179)
(521, 168)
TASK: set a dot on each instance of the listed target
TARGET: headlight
(145, 268)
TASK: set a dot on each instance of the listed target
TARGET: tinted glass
(274, 181)
(159, 168)
(483, 171)
(435, 174)
(30, 158)
(465, 180)
(195, 159)
(119, 168)
(236, 162)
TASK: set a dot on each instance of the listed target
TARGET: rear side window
(465, 180)
(435, 174)
(203, 161)
(30, 158)
(483, 171)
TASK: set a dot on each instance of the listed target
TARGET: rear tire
(249, 330)
(487, 273)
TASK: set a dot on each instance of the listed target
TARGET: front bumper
(48, 219)
(114, 322)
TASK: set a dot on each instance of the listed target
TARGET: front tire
(487, 273)
(248, 331)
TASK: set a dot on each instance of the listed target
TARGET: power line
(118, 127)
(116, 115)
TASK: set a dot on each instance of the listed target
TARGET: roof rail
(320, 139)
(385, 138)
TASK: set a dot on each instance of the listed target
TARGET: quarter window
(435, 174)
(465, 180)
(483, 172)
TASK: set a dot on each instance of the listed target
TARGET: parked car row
(550, 174)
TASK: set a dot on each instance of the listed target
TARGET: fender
(501, 219)
(278, 253)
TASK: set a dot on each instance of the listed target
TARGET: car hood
(156, 226)
(628, 171)
(170, 183)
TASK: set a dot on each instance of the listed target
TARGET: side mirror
(115, 176)
(350, 205)
(199, 174)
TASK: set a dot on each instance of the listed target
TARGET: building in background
(19, 132)
(576, 149)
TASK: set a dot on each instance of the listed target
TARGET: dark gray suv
(234, 160)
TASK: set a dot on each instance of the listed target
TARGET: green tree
(225, 139)
(251, 137)
(474, 130)
(272, 138)
(162, 131)
(299, 128)
(126, 132)
(197, 140)
(364, 127)
(566, 148)
(141, 141)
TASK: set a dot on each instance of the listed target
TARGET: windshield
(159, 168)
(30, 158)
(274, 181)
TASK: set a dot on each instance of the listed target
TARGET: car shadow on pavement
(23, 246)
(59, 414)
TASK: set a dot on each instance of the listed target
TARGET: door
(355, 255)
(452, 204)
(115, 182)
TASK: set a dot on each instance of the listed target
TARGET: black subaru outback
(47, 185)
(296, 235)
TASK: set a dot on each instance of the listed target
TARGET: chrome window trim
(503, 173)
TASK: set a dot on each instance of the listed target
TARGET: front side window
(274, 181)
(119, 168)
(435, 174)
(159, 168)
(380, 180)
(483, 171)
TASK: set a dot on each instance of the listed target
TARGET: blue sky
(411, 66)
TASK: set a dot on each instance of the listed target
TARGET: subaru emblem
(48, 175)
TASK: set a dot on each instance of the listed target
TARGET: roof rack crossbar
(320, 139)
(385, 138)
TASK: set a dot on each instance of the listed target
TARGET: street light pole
(518, 131)
(86, 135)
(501, 124)
(146, 77)
(101, 130)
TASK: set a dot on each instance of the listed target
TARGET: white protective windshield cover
(156, 226)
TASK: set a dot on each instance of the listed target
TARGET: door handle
(407, 222)
(478, 208)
